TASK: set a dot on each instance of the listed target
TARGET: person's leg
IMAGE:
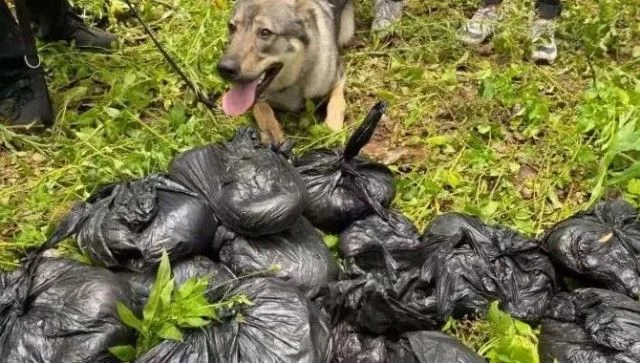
(482, 24)
(543, 31)
(24, 98)
(385, 13)
(56, 21)
(48, 16)
(10, 46)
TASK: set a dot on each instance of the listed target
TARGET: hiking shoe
(385, 13)
(544, 48)
(24, 99)
(75, 30)
(481, 25)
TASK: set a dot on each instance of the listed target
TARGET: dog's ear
(304, 9)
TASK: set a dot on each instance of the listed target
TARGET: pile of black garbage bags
(250, 218)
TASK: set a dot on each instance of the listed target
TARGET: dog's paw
(271, 139)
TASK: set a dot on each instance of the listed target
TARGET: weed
(168, 310)
(512, 341)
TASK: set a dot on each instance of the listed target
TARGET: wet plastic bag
(475, 264)
(252, 188)
(128, 225)
(58, 310)
(281, 325)
(375, 243)
(600, 247)
(342, 186)
(591, 325)
(413, 347)
(380, 304)
(298, 255)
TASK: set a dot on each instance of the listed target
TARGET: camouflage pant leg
(385, 13)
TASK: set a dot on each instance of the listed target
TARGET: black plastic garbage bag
(475, 264)
(218, 275)
(299, 255)
(58, 310)
(374, 243)
(414, 347)
(281, 325)
(128, 225)
(342, 186)
(252, 188)
(379, 304)
(591, 325)
(600, 247)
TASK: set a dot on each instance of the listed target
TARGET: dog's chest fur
(315, 70)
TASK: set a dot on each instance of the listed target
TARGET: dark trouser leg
(549, 9)
(48, 15)
(10, 42)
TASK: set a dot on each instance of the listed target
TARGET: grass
(481, 130)
(475, 130)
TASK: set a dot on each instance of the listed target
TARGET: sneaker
(544, 48)
(481, 25)
(74, 30)
(385, 13)
(24, 99)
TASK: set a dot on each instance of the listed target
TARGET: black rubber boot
(24, 99)
(74, 30)
(55, 21)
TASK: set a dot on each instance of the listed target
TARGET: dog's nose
(228, 68)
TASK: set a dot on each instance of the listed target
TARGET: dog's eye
(232, 28)
(265, 33)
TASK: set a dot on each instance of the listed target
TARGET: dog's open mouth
(243, 95)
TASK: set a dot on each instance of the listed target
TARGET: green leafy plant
(168, 310)
(512, 341)
(610, 114)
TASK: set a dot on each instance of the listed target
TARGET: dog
(281, 53)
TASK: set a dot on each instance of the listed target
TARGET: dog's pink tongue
(239, 98)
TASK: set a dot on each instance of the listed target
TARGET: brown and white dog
(283, 52)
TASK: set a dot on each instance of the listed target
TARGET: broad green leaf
(166, 293)
(164, 270)
(490, 208)
(128, 317)
(634, 186)
(513, 340)
(194, 322)
(193, 287)
(170, 332)
(330, 240)
(484, 129)
(163, 277)
(501, 324)
(524, 329)
(453, 178)
(632, 172)
(125, 353)
(200, 309)
(438, 140)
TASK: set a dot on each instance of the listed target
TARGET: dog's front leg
(269, 126)
(336, 107)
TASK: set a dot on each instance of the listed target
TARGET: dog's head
(266, 45)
